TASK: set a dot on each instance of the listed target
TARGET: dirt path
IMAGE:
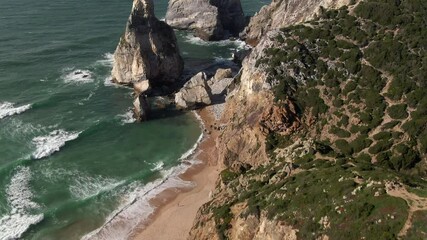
(415, 203)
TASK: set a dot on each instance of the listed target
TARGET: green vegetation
(367, 65)
(325, 190)
(358, 78)
(227, 175)
(398, 111)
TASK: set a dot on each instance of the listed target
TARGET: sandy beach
(176, 209)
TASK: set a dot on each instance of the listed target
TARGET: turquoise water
(71, 157)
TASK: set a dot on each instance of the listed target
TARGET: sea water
(73, 162)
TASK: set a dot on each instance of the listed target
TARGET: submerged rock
(194, 93)
(210, 19)
(147, 50)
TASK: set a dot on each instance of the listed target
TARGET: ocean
(73, 163)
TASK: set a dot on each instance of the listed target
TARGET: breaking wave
(238, 44)
(89, 186)
(8, 109)
(19, 197)
(47, 145)
(136, 208)
(127, 117)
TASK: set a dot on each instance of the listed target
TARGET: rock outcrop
(147, 50)
(282, 13)
(194, 93)
(201, 91)
(209, 19)
(141, 104)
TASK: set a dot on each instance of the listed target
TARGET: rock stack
(210, 20)
(147, 51)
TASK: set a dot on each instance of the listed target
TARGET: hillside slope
(326, 133)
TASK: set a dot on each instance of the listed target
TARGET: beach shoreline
(176, 208)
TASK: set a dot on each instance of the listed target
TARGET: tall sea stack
(147, 50)
(147, 53)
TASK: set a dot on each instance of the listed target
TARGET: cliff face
(210, 20)
(147, 50)
(283, 13)
(325, 117)
(250, 116)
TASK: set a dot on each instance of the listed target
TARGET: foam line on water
(51, 143)
(84, 186)
(136, 208)
(239, 44)
(127, 117)
(19, 198)
(157, 166)
(8, 109)
(108, 60)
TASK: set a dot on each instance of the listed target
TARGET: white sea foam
(85, 186)
(127, 117)
(8, 109)
(158, 166)
(107, 61)
(237, 44)
(47, 145)
(77, 76)
(135, 207)
(19, 198)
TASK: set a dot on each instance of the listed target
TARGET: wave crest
(8, 109)
(19, 198)
(47, 145)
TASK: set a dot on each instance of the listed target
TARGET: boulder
(147, 50)
(194, 93)
(223, 73)
(211, 20)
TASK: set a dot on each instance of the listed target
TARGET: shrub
(380, 147)
(343, 147)
(228, 176)
(340, 132)
(360, 143)
(382, 136)
(398, 111)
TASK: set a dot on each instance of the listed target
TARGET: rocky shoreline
(255, 114)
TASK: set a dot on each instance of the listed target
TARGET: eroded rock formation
(209, 19)
(147, 50)
(147, 55)
(282, 13)
(194, 93)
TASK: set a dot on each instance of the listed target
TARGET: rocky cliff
(283, 13)
(147, 50)
(325, 117)
(209, 19)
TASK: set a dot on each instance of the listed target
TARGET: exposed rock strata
(247, 114)
(209, 19)
(282, 13)
(147, 50)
